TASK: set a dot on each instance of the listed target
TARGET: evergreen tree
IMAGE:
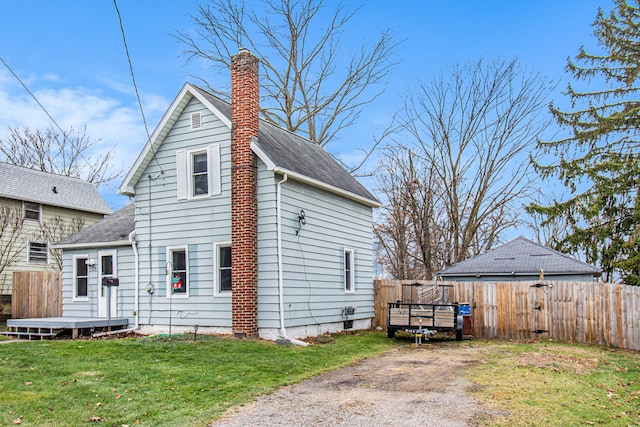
(600, 159)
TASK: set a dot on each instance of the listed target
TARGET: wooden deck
(49, 327)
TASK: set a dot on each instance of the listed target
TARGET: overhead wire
(135, 85)
(35, 98)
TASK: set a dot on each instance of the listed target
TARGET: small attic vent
(196, 122)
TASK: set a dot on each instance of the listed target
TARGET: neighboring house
(240, 227)
(37, 208)
(520, 259)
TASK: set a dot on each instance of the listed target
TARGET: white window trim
(216, 261)
(190, 186)
(184, 172)
(24, 212)
(169, 267)
(29, 252)
(75, 275)
(351, 272)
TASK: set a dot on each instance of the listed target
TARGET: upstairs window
(200, 177)
(198, 172)
(38, 253)
(32, 211)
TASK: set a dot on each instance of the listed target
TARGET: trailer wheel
(391, 333)
(458, 334)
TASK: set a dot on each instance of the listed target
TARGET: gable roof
(282, 151)
(20, 183)
(113, 230)
(518, 257)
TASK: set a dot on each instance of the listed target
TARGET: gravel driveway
(403, 387)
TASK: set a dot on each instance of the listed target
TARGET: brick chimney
(245, 106)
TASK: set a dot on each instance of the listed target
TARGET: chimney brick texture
(245, 105)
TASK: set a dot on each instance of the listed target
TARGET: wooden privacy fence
(36, 294)
(606, 314)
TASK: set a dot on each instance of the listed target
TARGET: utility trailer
(426, 313)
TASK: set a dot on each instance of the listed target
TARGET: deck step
(31, 332)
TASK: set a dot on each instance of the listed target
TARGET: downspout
(283, 332)
(136, 280)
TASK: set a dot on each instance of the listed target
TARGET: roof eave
(91, 245)
(135, 173)
(313, 182)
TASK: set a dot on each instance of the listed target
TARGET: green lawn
(156, 382)
(551, 383)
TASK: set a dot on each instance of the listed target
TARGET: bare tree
(63, 153)
(470, 130)
(11, 226)
(57, 228)
(310, 85)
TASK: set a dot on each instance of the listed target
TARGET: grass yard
(156, 382)
(548, 383)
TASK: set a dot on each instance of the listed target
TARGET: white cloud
(111, 119)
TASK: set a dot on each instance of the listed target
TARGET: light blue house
(255, 231)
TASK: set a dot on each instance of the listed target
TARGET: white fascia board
(261, 154)
(92, 245)
(313, 182)
(127, 186)
(210, 106)
(327, 187)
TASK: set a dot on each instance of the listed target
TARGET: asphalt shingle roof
(520, 256)
(297, 154)
(31, 185)
(113, 229)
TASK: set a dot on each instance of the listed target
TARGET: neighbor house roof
(31, 185)
(113, 230)
(282, 151)
(518, 257)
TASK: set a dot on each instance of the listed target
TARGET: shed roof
(113, 230)
(520, 256)
(282, 151)
(20, 183)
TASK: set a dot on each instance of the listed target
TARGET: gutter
(283, 332)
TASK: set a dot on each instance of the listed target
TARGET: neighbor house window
(178, 277)
(38, 253)
(222, 266)
(198, 172)
(81, 277)
(32, 211)
(348, 270)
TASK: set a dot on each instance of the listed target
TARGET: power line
(33, 96)
(135, 86)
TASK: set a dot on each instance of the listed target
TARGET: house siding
(31, 229)
(88, 308)
(164, 221)
(312, 259)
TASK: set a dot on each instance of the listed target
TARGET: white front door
(107, 268)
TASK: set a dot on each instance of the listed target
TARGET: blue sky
(70, 54)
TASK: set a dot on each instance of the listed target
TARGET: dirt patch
(404, 387)
(559, 362)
